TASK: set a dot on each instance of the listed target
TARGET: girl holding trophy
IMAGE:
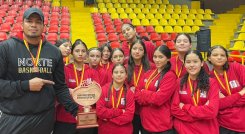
(74, 74)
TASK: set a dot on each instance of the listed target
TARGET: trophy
(87, 94)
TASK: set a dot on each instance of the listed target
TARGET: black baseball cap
(30, 11)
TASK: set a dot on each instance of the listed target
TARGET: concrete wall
(221, 6)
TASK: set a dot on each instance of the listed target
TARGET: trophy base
(87, 120)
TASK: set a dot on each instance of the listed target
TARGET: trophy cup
(87, 94)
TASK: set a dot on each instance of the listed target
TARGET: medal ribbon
(66, 60)
(151, 78)
(75, 72)
(137, 80)
(34, 60)
(107, 66)
(119, 97)
(177, 71)
(227, 88)
(195, 96)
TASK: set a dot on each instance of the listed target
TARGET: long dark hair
(202, 77)
(167, 52)
(187, 35)
(78, 42)
(109, 48)
(226, 65)
(144, 60)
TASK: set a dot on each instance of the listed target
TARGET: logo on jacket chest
(234, 83)
(155, 84)
(25, 65)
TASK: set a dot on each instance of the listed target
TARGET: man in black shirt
(31, 79)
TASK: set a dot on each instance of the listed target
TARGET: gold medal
(35, 69)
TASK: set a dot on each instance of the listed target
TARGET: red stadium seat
(108, 21)
(53, 29)
(159, 43)
(17, 27)
(110, 29)
(54, 22)
(144, 34)
(127, 21)
(173, 36)
(21, 12)
(12, 13)
(154, 36)
(165, 37)
(117, 22)
(55, 15)
(38, 3)
(115, 45)
(3, 36)
(65, 9)
(45, 21)
(47, 3)
(29, 3)
(170, 45)
(15, 7)
(150, 29)
(4, 7)
(64, 29)
(96, 15)
(64, 36)
(243, 54)
(99, 29)
(45, 8)
(5, 27)
(45, 29)
(119, 28)
(9, 19)
(55, 9)
(2, 13)
(140, 29)
(106, 15)
(1, 21)
(13, 34)
(112, 37)
(19, 2)
(52, 36)
(19, 19)
(47, 14)
(9, 2)
(236, 53)
(121, 37)
(101, 37)
(98, 21)
(65, 15)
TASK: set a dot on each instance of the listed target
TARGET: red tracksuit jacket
(61, 114)
(106, 66)
(232, 107)
(181, 67)
(113, 120)
(155, 103)
(150, 48)
(136, 70)
(193, 119)
(131, 83)
(102, 73)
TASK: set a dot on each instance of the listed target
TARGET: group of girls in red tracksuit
(162, 95)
